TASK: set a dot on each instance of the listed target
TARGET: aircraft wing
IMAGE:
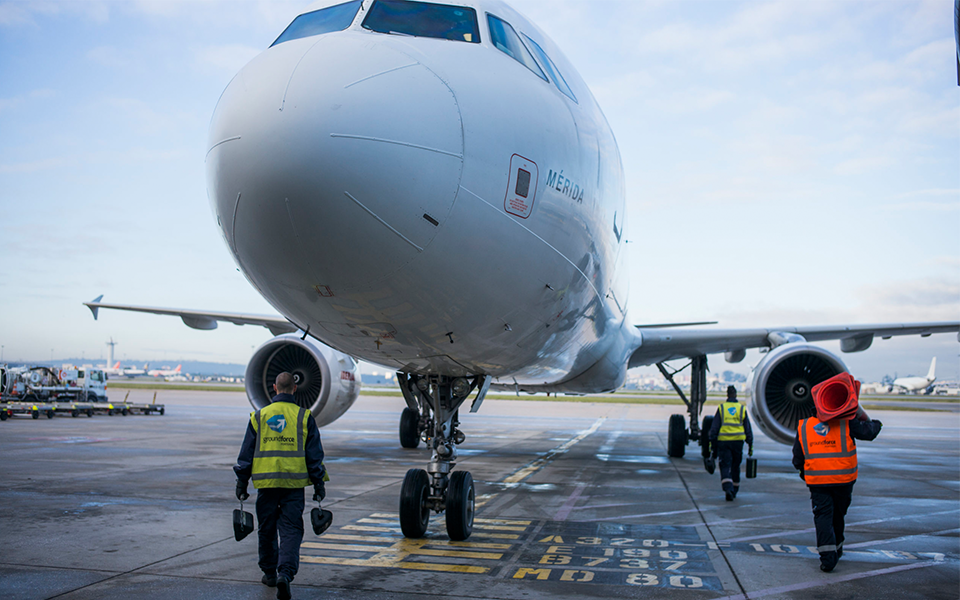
(200, 319)
(660, 344)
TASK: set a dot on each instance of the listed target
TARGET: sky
(787, 163)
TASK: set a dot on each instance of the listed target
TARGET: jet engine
(781, 387)
(328, 381)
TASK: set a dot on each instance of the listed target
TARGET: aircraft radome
(433, 187)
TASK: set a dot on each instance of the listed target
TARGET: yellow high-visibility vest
(279, 460)
(731, 428)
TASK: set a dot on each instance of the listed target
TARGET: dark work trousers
(280, 511)
(730, 455)
(830, 504)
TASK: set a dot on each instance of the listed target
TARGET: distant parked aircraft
(917, 384)
(164, 372)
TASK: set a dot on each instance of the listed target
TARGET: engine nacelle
(328, 381)
(781, 387)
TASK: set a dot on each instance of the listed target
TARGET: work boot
(269, 579)
(729, 495)
(736, 489)
(283, 587)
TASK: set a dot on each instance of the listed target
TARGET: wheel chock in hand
(321, 520)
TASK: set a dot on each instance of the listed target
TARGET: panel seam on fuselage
(545, 242)
(370, 138)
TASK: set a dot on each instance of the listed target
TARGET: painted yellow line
(363, 528)
(349, 547)
(499, 527)
(457, 553)
(541, 462)
(358, 538)
(393, 518)
(379, 522)
(471, 545)
(394, 564)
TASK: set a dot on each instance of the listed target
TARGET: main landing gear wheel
(676, 437)
(409, 428)
(414, 508)
(461, 500)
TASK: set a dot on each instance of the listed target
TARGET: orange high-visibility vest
(830, 454)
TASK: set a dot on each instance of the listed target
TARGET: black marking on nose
(431, 220)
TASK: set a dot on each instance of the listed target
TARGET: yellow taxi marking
(363, 528)
(450, 568)
(403, 547)
(541, 462)
(384, 540)
(396, 525)
(494, 521)
(356, 538)
(350, 547)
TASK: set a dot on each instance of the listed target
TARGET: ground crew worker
(730, 428)
(825, 453)
(282, 453)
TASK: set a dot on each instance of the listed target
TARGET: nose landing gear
(432, 415)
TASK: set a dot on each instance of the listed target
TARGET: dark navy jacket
(312, 448)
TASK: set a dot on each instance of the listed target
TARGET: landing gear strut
(678, 436)
(432, 415)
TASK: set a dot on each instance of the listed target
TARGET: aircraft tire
(409, 428)
(414, 511)
(676, 436)
(461, 499)
(705, 437)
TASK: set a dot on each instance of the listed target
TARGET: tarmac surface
(575, 500)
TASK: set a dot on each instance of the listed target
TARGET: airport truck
(45, 384)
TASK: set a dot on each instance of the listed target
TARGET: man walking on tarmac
(825, 453)
(282, 453)
(730, 428)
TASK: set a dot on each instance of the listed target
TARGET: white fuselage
(366, 185)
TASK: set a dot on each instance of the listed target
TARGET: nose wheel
(432, 415)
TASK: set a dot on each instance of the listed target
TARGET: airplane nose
(333, 162)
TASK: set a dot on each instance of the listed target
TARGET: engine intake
(328, 381)
(781, 387)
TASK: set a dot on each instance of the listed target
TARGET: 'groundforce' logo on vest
(277, 423)
(280, 438)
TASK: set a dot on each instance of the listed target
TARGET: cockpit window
(424, 19)
(506, 40)
(325, 20)
(551, 69)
